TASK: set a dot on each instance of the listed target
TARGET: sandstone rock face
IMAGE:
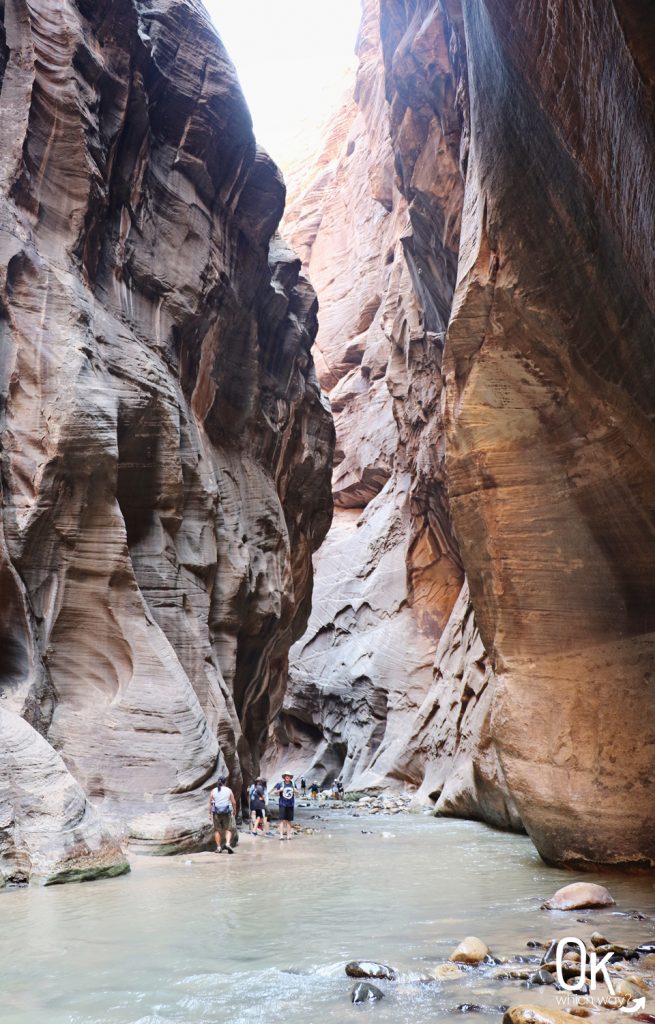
(549, 388)
(165, 447)
(390, 685)
(550, 400)
(518, 331)
(48, 830)
(389, 573)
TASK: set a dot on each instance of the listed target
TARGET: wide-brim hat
(290, 774)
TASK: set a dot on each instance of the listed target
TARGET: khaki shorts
(224, 822)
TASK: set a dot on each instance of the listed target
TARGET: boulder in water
(527, 1014)
(541, 978)
(471, 950)
(364, 992)
(578, 896)
(370, 969)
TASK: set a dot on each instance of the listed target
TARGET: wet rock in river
(541, 978)
(447, 972)
(627, 989)
(597, 939)
(364, 992)
(579, 896)
(528, 1014)
(370, 969)
(471, 950)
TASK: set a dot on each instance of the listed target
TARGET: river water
(264, 935)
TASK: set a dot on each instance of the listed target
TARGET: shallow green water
(264, 935)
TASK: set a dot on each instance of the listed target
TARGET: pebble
(363, 992)
(445, 972)
(370, 969)
(471, 950)
(579, 896)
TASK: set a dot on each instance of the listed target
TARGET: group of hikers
(223, 808)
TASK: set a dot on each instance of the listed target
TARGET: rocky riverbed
(267, 934)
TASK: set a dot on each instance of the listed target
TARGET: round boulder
(579, 896)
(470, 951)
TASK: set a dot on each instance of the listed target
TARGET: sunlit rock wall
(389, 574)
(165, 448)
(550, 402)
(519, 363)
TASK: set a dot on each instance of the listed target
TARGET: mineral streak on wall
(165, 447)
(503, 193)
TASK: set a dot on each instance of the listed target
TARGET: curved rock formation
(165, 446)
(551, 396)
(366, 695)
(531, 126)
(49, 832)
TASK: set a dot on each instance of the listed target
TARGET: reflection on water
(263, 936)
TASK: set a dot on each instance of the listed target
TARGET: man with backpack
(258, 798)
(222, 811)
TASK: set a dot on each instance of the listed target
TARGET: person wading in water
(258, 807)
(222, 811)
(287, 803)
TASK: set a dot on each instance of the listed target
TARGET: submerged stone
(364, 992)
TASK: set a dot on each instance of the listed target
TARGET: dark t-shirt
(287, 794)
(258, 798)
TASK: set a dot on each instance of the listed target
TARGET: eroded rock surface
(550, 401)
(49, 832)
(518, 358)
(165, 447)
(390, 685)
(389, 573)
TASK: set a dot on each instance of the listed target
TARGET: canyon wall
(515, 345)
(165, 448)
(366, 699)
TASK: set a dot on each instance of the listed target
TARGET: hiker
(303, 787)
(222, 811)
(340, 788)
(258, 807)
(287, 793)
(313, 790)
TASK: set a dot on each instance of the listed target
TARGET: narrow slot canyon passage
(326, 511)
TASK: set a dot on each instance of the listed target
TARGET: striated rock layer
(517, 354)
(165, 447)
(368, 681)
(550, 403)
